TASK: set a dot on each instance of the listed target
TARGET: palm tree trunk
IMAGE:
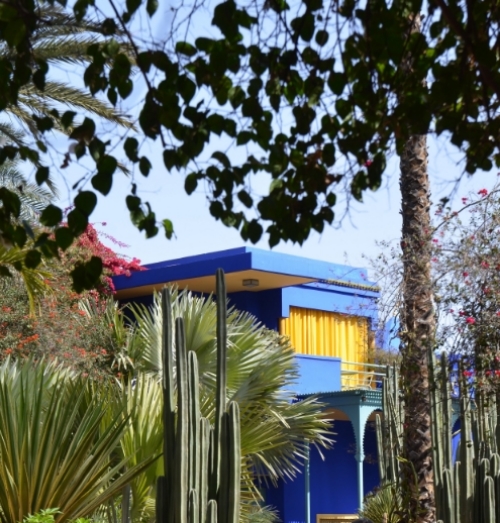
(418, 325)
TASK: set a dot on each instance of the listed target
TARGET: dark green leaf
(77, 222)
(32, 259)
(170, 158)
(245, 198)
(187, 88)
(112, 95)
(131, 147)
(86, 201)
(44, 124)
(223, 159)
(337, 82)
(51, 216)
(169, 228)
(133, 202)
(191, 183)
(185, 48)
(322, 37)
(151, 7)
(132, 6)
(86, 275)
(144, 166)
(84, 132)
(64, 238)
(102, 183)
(329, 154)
(244, 137)
(107, 165)
(254, 231)
(215, 123)
(42, 175)
(67, 118)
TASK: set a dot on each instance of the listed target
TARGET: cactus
(202, 464)
(390, 429)
(467, 491)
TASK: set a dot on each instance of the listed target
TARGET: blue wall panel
(264, 305)
(317, 298)
(317, 374)
(332, 480)
(370, 465)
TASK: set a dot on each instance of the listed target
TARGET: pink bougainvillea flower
(482, 192)
(464, 200)
(465, 274)
(470, 320)
(368, 163)
(467, 373)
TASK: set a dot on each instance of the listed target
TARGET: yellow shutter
(320, 333)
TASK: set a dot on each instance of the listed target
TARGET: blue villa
(329, 313)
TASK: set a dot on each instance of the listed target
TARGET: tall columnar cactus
(390, 429)
(202, 463)
(467, 491)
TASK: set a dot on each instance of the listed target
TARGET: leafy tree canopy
(311, 93)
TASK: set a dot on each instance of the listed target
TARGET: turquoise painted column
(307, 483)
(360, 458)
(358, 415)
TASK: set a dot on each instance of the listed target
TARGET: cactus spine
(202, 464)
(467, 491)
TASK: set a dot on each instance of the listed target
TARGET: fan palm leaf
(260, 376)
(54, 451)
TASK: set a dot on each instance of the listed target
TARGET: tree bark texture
(417, 336)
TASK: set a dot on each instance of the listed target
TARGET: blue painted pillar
(359, 431)
(358, 416)
(307, 483)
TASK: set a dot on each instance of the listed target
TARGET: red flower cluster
(89, 244)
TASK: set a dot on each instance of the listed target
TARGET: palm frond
(63, 94)
(33, 198)
(66, 49)
(9, 133)
(57, 21)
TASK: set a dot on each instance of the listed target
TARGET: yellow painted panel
(321, 333)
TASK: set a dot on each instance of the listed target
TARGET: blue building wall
(264, 305)
(317, 374)
(271, 305)
(339, 289)
(333, 485)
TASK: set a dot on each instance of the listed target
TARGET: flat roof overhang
(272, 270)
